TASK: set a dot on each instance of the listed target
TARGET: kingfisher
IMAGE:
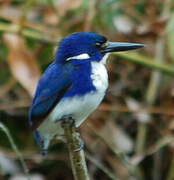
(73, 85)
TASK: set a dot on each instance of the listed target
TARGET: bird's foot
(81, 145)
(67, 120)
(44, 147)
(44, 152)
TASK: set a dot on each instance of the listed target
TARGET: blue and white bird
(73, 85)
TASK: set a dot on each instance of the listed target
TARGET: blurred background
(130, 136)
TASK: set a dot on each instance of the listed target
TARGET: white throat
(99, 76)
(104, 59)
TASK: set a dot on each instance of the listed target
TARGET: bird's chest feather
(79, 106)
(85, 95)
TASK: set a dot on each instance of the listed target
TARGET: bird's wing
(51, 87)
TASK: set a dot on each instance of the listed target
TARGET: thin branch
(161, 143)
(146, 62)
(76, 153)
(31, 33)
(14, 147)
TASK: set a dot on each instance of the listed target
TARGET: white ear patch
(80, 56)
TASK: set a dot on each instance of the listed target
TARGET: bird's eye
(101, 44)
(98, 44)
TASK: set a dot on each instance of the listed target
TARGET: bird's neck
(88, 77)
(81, 78)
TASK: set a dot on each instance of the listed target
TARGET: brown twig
(76, 153)
(16, 150)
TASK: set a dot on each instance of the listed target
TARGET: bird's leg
(44, 152)
(41, 142)
(69, 122)
(44, 146)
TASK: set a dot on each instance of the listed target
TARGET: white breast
(99, 76)
(79, 107)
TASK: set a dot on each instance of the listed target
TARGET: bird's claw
(44, 152)
(81, 145)
(43, 149)
(68, 120)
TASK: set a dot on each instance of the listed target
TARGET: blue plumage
(50, 90)
(73, 85)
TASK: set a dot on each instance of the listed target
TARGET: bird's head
(81, 46)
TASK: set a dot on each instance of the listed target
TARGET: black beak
(120, 46)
